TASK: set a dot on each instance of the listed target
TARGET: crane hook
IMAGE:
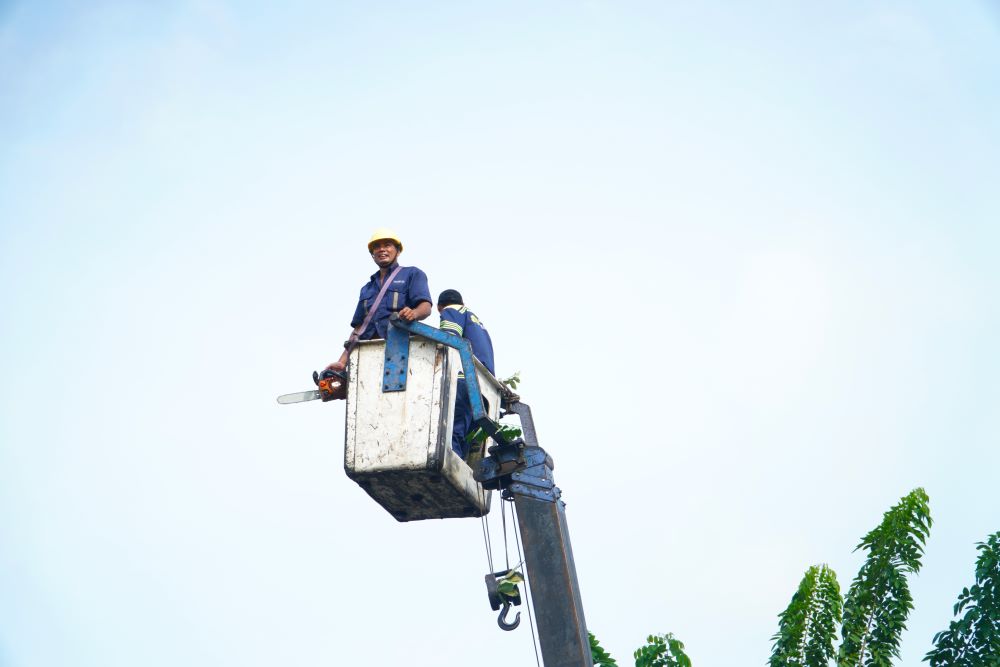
(503, 623)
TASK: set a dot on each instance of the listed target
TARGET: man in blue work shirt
(407, 293)
(459, 320)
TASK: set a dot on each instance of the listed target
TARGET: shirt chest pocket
(367, 301)
(395, 297)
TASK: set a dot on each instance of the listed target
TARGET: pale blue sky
(745, 259)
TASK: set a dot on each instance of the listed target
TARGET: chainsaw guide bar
(300, 397)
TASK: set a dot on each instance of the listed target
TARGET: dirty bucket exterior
(398, 443)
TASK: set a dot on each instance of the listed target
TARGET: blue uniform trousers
(463, 420)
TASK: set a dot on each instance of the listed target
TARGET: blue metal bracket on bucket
(399, 331)
(397, 356)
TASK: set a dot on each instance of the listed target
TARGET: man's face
(384, 253)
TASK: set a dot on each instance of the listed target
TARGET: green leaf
(808, 626)
(513, 576)
(662, 651)
(476, 437)
(879, 600)
(507, 584)
(512, 381)
(508, 432)
(598, 655)
(974, 640)
(507, 588)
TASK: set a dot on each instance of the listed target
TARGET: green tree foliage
(599, 656)
(974, 640)
(808, 627)
(512, 381)
(879, 600)
(662, 651)
(658, 651)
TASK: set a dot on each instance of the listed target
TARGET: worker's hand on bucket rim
(408, 314)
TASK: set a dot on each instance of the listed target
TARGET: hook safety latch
(501, 587)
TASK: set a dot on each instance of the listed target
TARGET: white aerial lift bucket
(398, 442)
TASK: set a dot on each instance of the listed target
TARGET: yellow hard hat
(381, 234)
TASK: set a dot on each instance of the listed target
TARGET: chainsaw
(331, 385)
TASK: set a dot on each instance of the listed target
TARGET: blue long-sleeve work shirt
(408, 290)
(461, 321)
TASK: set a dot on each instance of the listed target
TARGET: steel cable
(527, 592)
